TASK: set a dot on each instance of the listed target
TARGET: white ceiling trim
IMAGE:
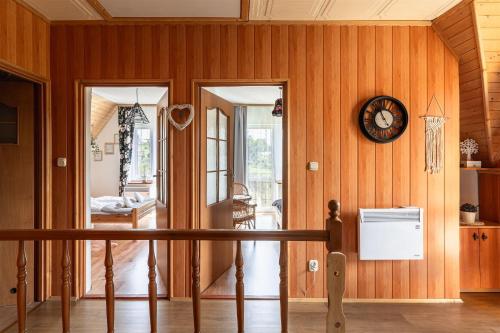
(56, 10)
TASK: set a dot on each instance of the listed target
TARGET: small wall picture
(98, 156)
(109, 148)
(117, 138)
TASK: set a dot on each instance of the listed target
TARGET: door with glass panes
(216, 182)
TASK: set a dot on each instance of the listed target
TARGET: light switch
(61, 162)
(313, 166)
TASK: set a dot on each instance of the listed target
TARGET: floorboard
(478, 313)
(261, 268)
(130, 264)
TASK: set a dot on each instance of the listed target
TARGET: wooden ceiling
(457, 28)
(101, 112)
(488, 24)
(241, 10)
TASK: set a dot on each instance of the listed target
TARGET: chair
(243, 214)
(240, 189)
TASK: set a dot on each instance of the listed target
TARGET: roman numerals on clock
(383, 119)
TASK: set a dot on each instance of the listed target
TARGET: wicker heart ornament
(180, 126)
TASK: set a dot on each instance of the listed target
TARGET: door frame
(80, 192)
(196, 133)
(43, 177)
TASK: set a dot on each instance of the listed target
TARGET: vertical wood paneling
(279, 51)
(331, 119)
(297, 156)
(229, 51)
(452, 178)
(180, 151)
(418, 177)
(314, 140)
(24, 40)
(246, 52)
(401, 149)
(383, 152)
(332, 70)
(435, 215)
(211, 48)
(366, 150)
(348, 152)
(262, 51)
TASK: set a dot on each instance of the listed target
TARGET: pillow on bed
(138, 197)
(128, 202)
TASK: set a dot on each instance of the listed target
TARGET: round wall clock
(383, 119)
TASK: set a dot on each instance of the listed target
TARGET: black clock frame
(367, 134)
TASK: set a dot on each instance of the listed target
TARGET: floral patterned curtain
(126, 117)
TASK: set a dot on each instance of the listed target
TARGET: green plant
(467, 207)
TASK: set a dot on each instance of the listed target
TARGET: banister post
(335, 322)
(21, 288)
(66, 287)
(195, 287)
(334, 225)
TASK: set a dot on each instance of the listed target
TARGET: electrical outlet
(313, 265)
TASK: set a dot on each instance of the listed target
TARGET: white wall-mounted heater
(391, 234)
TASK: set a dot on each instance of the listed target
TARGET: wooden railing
(332, 237)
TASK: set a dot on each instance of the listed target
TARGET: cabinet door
(489, 253)
(469, 259)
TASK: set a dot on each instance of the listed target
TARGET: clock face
(383, 119)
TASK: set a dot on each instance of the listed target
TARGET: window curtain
(126, 132)
(240, 144)
(278, 151)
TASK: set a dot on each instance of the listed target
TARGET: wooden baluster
(336, 263)
(152, 287)
(66, 287)
(334, 225)
(195, 288)
(240, 288)
(110, 288)
(21, 288)
(284, 285)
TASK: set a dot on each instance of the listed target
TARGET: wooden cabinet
(479, 258)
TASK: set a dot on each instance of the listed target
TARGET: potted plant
(468, 213)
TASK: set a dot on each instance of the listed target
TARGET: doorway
(241, 179)
(126, 178)
(21, 183)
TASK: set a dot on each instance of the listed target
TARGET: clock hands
(383, 117)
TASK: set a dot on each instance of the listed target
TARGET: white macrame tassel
(434, 148)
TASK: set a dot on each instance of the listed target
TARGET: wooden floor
(261, 268)
(480, 313)
(130, 263)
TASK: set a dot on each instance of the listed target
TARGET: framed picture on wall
(98, 156)
(117, 138)
(109, 148)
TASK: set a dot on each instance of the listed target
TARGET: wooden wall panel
(24, 39)
(366, 150)
(383, 152)
(314, 140)
(401, 160)
(332, 70)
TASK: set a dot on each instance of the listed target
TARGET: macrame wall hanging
(434, 145)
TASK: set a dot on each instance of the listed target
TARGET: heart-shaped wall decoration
(188, 121)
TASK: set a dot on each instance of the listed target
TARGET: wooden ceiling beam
(99, 8)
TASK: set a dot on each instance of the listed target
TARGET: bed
(110, 209)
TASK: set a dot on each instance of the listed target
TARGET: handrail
(165, 234)
(332, 237)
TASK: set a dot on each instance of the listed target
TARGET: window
(217, 156)
(264, 156)
(142, 154)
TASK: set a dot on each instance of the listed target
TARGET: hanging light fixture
(139, 115)
(278, 105)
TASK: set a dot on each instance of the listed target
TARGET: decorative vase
(468, 217)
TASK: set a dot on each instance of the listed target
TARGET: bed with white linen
(109, 209)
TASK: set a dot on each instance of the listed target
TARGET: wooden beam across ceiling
(100, 9)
